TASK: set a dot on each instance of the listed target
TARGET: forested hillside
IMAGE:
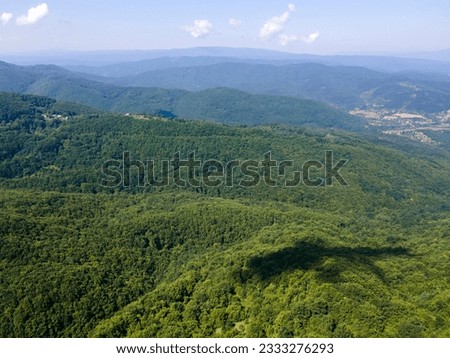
(218, 104)
(82, 259)
(347, 87)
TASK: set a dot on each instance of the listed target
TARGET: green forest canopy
(78, 260)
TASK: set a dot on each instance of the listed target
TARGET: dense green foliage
(188, 265)
(26, 107)
(440, 136)
(370, 259)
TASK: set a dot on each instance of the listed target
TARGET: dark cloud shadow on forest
(310, 256)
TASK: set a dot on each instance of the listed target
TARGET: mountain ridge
(61, 84)
(106, 57)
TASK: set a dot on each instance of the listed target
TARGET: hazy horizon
(63, 50)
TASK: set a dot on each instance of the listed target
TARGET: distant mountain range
(342, 86)
(347, 87)
(232, 85)
(220, 104)
(422, 62)
(168, 60)
(442, 55)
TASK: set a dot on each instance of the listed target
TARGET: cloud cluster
(33, 15)
(5, 17)
(200, 28)
(286, 39)
(276, 24)
(311, 38)
(271, 29)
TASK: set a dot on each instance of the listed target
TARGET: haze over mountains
(438, 61)
(345, 87)
(159, 85)
(221, 104)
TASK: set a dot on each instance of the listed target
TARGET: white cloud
(33, 15)
(5, 17)
(285, 39)
(200, 28)
(234, 22)
(311, 38)
(275, 25)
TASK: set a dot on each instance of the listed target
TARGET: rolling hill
(219, 104)
(342, 86)
(79, 258)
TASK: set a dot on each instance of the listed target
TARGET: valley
(409, 125)
(256, 89)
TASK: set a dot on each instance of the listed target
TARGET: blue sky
(314, 26)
